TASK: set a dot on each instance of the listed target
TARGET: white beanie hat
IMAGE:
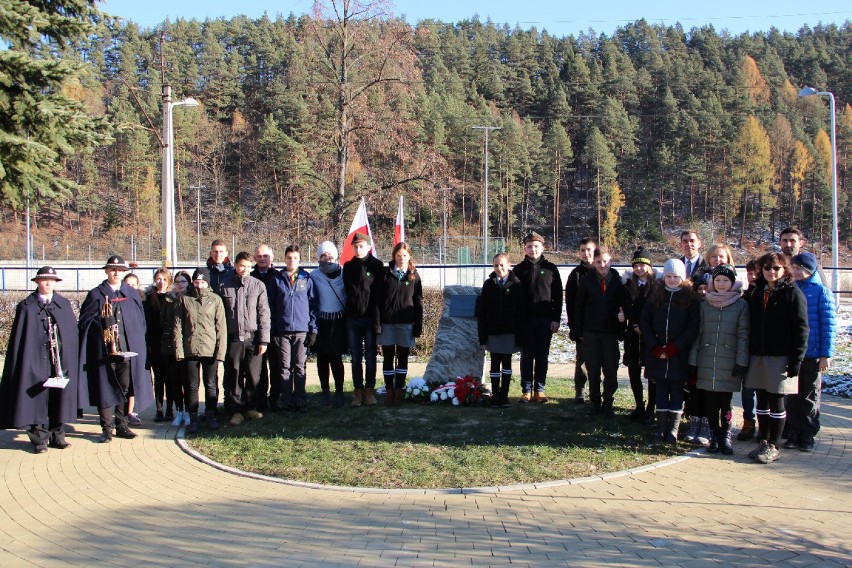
(327, 247)
(675, 266)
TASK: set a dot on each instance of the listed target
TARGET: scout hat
(116, 261)
(46, 273)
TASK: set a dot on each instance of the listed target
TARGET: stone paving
(145, 502)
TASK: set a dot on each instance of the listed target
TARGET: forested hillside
(624, 136)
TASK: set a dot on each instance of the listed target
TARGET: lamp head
(808, 91)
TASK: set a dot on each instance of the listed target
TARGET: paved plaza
(148, 503)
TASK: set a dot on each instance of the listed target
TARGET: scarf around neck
(722, 299)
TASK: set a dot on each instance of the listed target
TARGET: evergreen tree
(40, 123)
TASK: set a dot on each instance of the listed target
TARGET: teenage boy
(43, 344)
(599, 316)
(294, 305)
(247, 320)
(542, 288)
(115, 308)
(586, 254)
(362, 277)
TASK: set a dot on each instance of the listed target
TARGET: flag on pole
(360, 224)
(399, 227)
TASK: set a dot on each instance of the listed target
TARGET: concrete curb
(180, 440)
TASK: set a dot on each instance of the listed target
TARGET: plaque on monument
(463, 306)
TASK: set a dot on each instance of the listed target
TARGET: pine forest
(626, 136)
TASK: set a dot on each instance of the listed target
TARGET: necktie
(603, 286)
(688, 267)
(766, 295)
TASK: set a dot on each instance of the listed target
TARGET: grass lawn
(435, 445)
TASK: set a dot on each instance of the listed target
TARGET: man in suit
(690, 244)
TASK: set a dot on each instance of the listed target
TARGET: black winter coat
(669, 324)
(542, 287)
(23, 398)
(95, 370)
(634, 347)
(598, 311)
(402, 300)
(362, 280)
(153, 305)
(500, 310)
(571, 286)
(780, 329)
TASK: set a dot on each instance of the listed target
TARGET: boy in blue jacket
(803, 408)
(294, 306)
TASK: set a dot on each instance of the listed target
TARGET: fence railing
(81, 278)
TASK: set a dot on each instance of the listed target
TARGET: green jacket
(200, 323)
(722, 342)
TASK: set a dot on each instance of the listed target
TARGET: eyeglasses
(773, 268)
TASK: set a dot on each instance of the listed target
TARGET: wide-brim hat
(46, 273)
(116, 262)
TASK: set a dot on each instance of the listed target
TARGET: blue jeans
(361, 333)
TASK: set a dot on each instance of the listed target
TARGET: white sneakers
(179, 418)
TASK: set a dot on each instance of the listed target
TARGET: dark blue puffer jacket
(294, 306)
(822, 317)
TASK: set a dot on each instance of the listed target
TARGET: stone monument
(457, 351)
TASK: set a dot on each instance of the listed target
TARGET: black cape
(23, 398)
(95, 372)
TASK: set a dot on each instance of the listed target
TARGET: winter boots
(673, 426)
(748, 430)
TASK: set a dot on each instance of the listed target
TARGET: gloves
(310, 339)
(483, 340)
(572, 336)
(417, 330)
(793, 369)
(658, 352)
(739, 371)
(670, 350)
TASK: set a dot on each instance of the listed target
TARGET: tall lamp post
(168, 176)
(835, 237)
(487, 129)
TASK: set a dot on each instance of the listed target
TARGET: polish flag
(360, 224)
(399, 227)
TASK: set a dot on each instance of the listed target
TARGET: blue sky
(558, 17)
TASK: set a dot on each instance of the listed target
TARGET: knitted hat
(327, 247)
(641, 257)
(116, 261)
(360, 238)
(533, 236)
(726, 270)
(806, 260)
(201, 274)
(675, 266)
(46, 273)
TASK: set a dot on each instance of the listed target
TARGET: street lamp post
(168, 176)
(835, 237)
(487, 129)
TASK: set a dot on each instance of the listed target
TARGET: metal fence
(81, 278)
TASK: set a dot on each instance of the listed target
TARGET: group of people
(698, 336)
(692, 329)
(257, 320)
